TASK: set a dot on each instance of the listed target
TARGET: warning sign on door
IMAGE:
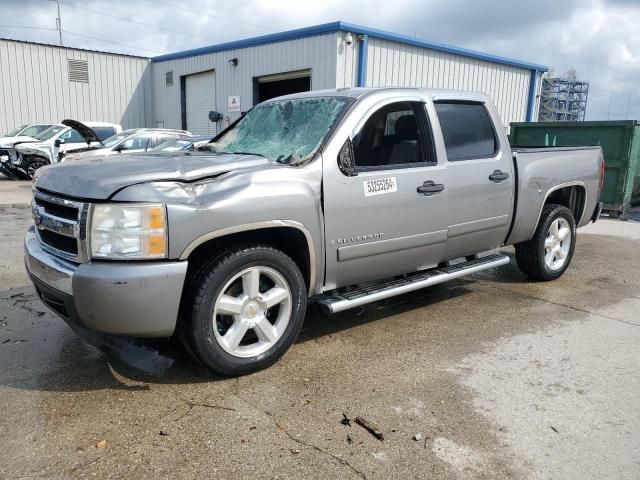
(233, 103)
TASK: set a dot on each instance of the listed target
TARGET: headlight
(128, 231)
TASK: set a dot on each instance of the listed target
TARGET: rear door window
(467, 130)
(163, 137)
(137, 142)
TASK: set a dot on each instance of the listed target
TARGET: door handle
(429, 188)
(498, 176)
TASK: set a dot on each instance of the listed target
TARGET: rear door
(480, 178)
(390, 218)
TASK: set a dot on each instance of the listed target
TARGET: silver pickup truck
(340, 197)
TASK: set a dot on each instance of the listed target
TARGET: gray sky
(596, 37)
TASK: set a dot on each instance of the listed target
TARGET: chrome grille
(61, 225)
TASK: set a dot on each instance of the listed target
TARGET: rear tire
(548, 254)
(243, 309)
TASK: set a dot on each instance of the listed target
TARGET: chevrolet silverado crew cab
(340, 197)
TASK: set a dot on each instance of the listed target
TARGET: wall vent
(78, 70)
(168, 78)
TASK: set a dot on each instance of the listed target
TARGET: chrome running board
(335, 302)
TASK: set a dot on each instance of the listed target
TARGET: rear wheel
(244, 309)
(548, 254)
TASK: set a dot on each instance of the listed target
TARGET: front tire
(243, 309)
(33, 164)
(548, 254)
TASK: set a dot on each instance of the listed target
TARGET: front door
(390, 218)
(480, 178)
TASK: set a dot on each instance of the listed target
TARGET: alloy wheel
(557, 244)
(252, 311)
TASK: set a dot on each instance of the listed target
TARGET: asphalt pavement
(492, 376)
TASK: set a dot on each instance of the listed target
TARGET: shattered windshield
(287, 131)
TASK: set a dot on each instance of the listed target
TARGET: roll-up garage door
(200, 93)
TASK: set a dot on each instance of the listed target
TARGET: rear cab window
(467, 130)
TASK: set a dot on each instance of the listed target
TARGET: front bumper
(7, 167)
(138, 299)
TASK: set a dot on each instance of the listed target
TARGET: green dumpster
(620, 142)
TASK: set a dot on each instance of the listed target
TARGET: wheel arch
(572, 195)
(289, 236)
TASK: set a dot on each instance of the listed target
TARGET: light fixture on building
(233, 62)
(348, 38)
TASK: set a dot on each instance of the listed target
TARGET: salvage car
(24, 133)
(15, 166)
(130, 141)
(59, 139)
(340, 197)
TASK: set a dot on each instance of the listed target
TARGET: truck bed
(542, 170)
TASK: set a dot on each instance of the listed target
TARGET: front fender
(240, 201)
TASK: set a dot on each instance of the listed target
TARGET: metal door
(200, 99)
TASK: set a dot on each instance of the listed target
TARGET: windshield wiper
(249, 153)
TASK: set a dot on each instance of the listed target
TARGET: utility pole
(59, 21)
(628, 105)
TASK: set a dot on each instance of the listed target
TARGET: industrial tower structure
(563, 98)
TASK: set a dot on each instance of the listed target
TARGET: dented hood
(98, 178)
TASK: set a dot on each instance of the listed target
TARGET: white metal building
(230, 78)
(46, 84)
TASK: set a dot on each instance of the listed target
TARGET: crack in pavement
(281, 428)
(193, 405)
(571, 307)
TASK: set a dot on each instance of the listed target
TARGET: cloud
(596, 37)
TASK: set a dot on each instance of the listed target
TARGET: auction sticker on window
(380, 186)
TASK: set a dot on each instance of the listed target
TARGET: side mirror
(346, 160)
(58, 142)
(119, 148)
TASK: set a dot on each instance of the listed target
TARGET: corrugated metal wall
(396, 64)
(317, 53)
(35, 87)
(34, 83)
(347, 66)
